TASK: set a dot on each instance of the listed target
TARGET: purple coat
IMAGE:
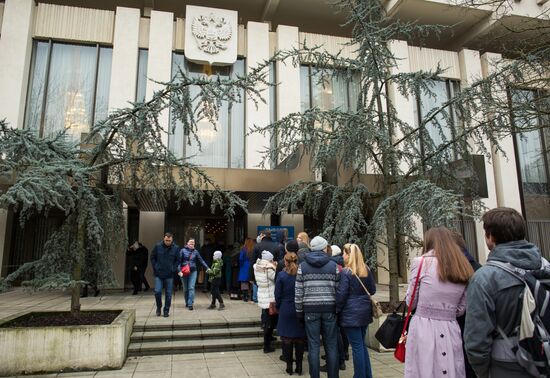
(434, 342)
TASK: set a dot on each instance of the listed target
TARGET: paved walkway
(223, 364)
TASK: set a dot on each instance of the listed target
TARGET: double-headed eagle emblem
(211, 33)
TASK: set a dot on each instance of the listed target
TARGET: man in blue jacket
(165, 261)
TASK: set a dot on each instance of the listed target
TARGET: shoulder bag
(186, 270)
(400, 350)
(375, 305)
(389, 332)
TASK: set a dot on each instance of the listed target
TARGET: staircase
(199, 337)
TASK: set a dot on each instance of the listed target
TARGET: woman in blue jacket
(354, 307)
(292, 332)
(244, 268)
(190, 256)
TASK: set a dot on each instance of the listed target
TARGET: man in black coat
(165, 260)
(265, 244)
(143, 254)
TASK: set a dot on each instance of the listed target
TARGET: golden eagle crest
(211, 33)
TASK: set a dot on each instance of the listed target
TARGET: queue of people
(466, 317)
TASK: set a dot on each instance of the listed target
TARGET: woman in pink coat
(434, 342)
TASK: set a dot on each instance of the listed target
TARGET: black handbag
(390, 331)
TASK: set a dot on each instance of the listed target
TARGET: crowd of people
(466, 317)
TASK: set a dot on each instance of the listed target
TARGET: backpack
(532, 348)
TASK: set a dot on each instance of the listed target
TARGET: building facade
(66, 65)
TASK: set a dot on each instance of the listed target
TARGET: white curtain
(439, 130)
(237, 122)
(103, 83)
(176, 137)
(38, 83)
(69, 97)
(213, 137)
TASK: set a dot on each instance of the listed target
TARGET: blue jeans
(361, 361)
(318, 323)
(254, 293)
(189, 288)
(168, 284)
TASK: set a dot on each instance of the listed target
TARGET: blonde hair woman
(303, 244)
(354, 306)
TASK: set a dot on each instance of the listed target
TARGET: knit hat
(266, 255)
(292, 246)
(217, 255)
(318, 243)
(335, 250)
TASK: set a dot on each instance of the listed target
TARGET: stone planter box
(371, 341)
(67, 348)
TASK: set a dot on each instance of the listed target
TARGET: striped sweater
(316, 284)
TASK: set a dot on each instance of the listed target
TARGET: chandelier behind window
(76, 118)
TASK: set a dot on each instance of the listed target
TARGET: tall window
(441, 129)
(222, 143)
(69, 88)
(532, 156)
(531, 147)
(143, 58)
(328, 92)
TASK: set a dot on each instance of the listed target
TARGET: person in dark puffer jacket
(315, 298)
(164, 259)
(354, 307)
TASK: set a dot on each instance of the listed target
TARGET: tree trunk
(77, 268)
(393, 257)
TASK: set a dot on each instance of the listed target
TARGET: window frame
(455, 123)
(310, 73)
(51, 42)
(544, 147)
(230, 125)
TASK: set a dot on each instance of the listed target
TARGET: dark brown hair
(291, 263)
(459, 239)
(453, 266)
(504, 224)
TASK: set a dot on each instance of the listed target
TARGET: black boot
(287, 353)
(267, 341)
(299, 350)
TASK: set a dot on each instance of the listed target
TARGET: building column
(257, 113)
(15, 58)
(255, 220)
(125, 58)
(151, 231)
(504, 167)
(470, 72)
(122, 90)
(295, 220)
(288, 77)
(159, 64)
(4, 251)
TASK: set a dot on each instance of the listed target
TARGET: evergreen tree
(391, 172)
(122, 155)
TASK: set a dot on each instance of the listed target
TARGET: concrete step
(196, 334)
(161, 325)
(195, 346)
